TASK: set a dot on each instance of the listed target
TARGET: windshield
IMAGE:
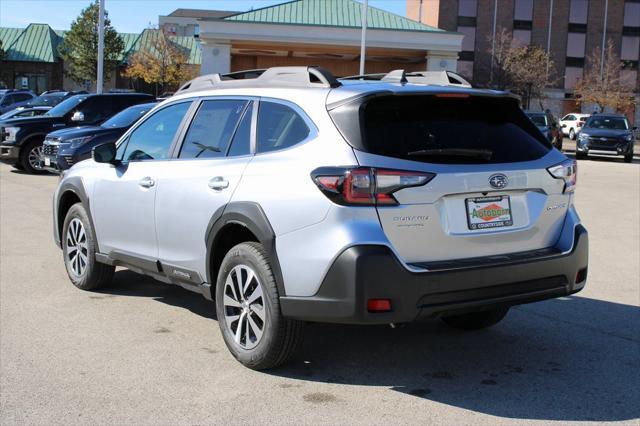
(616, 123)
(65, 106)
(48, 100)
(127, 117)
(538, 119)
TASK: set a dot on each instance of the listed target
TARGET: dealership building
(317, 32)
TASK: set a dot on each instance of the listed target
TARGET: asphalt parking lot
(143, 352)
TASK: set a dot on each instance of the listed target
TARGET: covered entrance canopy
(324, 33)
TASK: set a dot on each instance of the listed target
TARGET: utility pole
(363, 39)
(100, 79)
(549, 36)
(493, 38)
(604, 39)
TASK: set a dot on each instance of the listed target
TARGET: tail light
(567, 171)
(365, 186)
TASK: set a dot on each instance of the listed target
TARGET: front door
(123, 202)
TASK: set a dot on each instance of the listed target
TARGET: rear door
(210, 161)
(491, 194)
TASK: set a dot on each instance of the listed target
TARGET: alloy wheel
(77, 248)
(244, 306)
(35, 157)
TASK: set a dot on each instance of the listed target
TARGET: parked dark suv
(548, 125)
(606, 134)
(11, 99)
(21, 138)
(63, 148)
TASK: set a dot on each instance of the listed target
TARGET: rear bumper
(9, 153)
(368, 272)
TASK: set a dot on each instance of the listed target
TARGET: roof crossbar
(271, 77)
(440, 78)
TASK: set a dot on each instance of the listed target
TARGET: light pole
(100, 78)
(363, 38)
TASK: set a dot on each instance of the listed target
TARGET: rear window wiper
(484, 154)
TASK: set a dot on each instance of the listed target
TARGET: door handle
(218, 183)
(146, 182)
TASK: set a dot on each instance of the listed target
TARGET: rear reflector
(379, 305)
(581, 275)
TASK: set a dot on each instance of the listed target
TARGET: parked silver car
(287, 196)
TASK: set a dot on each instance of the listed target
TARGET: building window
(571, 77)
(467, 8)
(469, 40)
(523, 10)
(630, 48)
(578, 11)
(631, 14)
(35, 82)
(575, 45)
(521, 37)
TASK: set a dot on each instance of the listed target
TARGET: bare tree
(601, 83)
(520, 69)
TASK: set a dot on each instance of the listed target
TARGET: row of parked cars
(66, 133)
(598, 134)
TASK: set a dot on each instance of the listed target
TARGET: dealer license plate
(489, 212)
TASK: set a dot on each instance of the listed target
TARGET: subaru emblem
(498, 181)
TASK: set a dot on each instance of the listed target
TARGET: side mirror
(77, 116)
(104, 153)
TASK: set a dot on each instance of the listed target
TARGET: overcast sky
(132, 15)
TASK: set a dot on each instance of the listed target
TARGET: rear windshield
(434, 129)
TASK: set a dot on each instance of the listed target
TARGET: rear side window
(212, 128)
(279, 127)
(453, 130)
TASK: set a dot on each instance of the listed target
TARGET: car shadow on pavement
(128, 283)
(567, 359)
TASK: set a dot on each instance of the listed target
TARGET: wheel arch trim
(251, 216)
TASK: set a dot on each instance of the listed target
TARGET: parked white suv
(292, 196)
(571, 124)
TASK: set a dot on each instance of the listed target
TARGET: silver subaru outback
(287, 196)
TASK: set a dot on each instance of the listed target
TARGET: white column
(216, 58)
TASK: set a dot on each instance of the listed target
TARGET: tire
(628, 158)
(78, 237)
(476, 320)
(572, 134)
(29, 157)
(581, 156)
(266, 339)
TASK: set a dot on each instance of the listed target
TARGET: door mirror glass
(77, 116)
(104, 153)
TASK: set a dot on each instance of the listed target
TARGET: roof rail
(439, 78)
(271, 77)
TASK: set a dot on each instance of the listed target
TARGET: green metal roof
(144, 40)
(39, 43)
(332, 13)
(36, 43)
